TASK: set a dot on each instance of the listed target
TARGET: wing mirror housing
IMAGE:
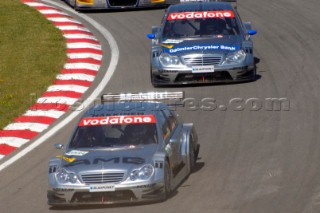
(252, 32)
(59, 146)
(151, 36)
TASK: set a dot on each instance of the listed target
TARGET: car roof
(200, 6)
(125, 108)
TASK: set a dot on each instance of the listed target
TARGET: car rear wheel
(192, 156)
(167, 180)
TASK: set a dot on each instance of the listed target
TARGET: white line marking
(51, 12)
(35, 127)
(73, 27)
(36, 4)
(66, 35)
(57, 100)
(47, 113)
(84, 55)
(13, 141)
(82, 77)
(64, 20)
(74, 88)
(82, 66)
(78, 45)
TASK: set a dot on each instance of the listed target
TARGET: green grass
(32, 53)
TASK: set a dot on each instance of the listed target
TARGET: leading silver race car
(124, 152)
(117, 4)
(202, 42)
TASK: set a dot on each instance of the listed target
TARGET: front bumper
(146, 192)
(176, 77)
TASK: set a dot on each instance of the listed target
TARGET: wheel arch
(189, 136)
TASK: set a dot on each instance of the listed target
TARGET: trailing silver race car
(202, 42)
(117, 4)
(124, 152)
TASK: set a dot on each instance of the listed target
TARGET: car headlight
(167, 59)
(235, 57)
(64, 176)
(142, 174)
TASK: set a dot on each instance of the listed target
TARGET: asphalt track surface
(250, 160)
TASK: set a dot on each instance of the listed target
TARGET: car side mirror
(58, 146)
(151, 36)
(252, 32)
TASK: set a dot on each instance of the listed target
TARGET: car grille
(97, 178)
(201, 60)
(203, 77)
(103, 197)
(122, 3)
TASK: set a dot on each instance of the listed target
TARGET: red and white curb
(84, 58)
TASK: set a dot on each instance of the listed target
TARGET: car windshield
(186, 24)
(113, 135)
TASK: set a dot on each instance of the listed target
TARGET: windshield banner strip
(109, 120)
(202, 14)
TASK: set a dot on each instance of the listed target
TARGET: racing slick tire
(75, 6)
(167, 180)
(254, 75)
(155, 85)
(192, 157)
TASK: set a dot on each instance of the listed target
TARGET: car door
(172, 137)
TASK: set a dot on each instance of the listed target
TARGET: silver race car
(124, 152)
(202, 42)
(117, 4)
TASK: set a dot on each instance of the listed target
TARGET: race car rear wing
(149, 96)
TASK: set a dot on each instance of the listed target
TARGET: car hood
(218, 44)
(122, 158)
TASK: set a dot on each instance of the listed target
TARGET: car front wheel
(75, 5)
(155, 85)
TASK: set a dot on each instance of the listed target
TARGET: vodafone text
(202, 14)
(141, 119)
